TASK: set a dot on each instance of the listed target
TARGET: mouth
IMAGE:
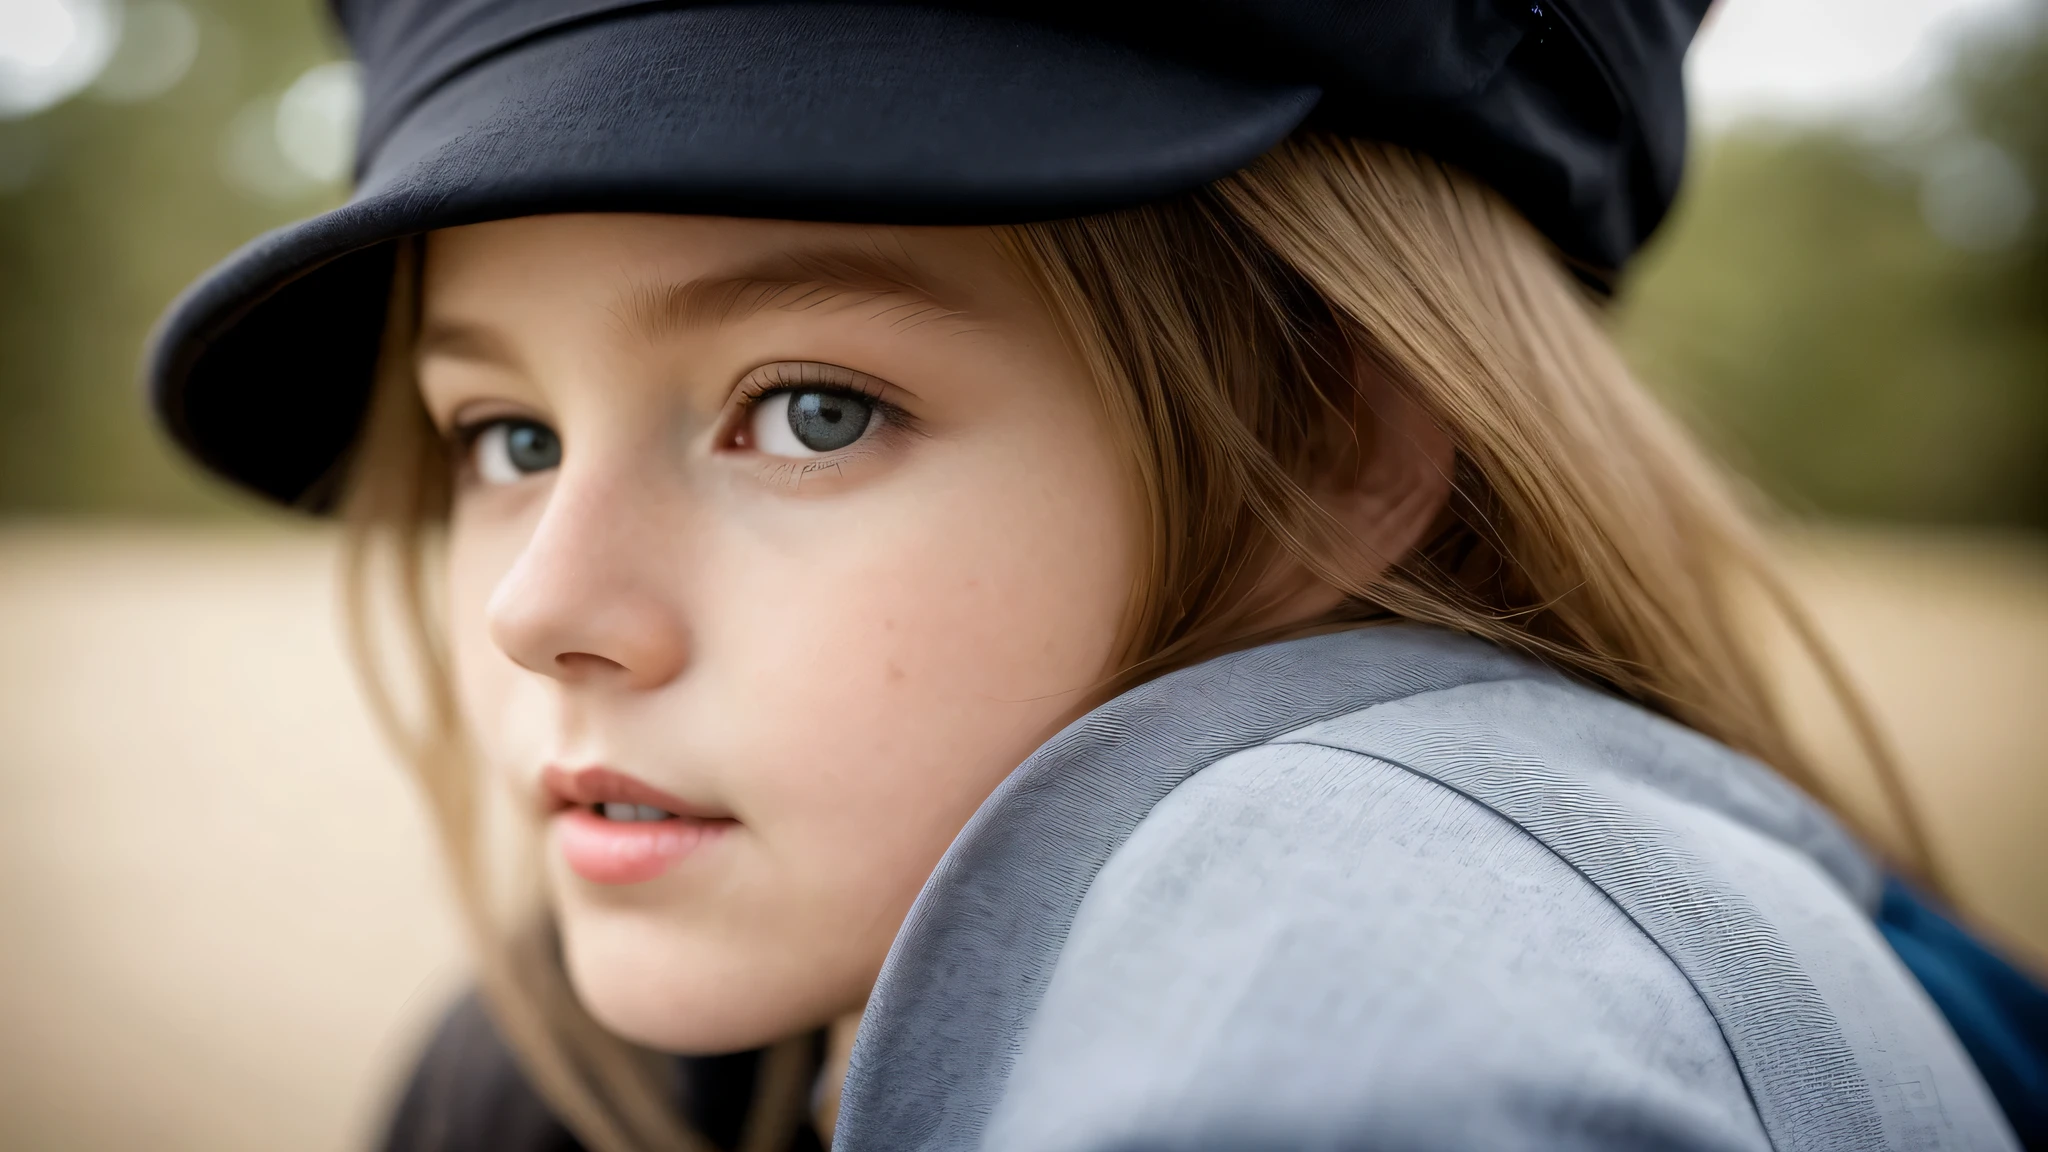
(614, 829)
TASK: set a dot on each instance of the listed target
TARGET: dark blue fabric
(1574, 110)
(1999, 1013)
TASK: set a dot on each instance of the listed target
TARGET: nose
(591, 600)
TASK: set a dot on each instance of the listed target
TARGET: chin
(666, 987)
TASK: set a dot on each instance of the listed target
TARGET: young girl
(1050, 554)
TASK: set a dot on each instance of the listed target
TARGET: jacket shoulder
(1303, 944)
(1510, 914)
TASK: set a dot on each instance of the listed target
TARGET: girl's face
(775, 547)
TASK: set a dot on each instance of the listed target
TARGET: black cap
(963, 113)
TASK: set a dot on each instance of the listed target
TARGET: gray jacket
(1395, 889)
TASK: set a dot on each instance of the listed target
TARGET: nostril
(587, 662)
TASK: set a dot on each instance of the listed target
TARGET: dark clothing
(469, 1095)
(1998, 1012)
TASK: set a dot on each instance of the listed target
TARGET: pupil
(824, 421)
(532, 447)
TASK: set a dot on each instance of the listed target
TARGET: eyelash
(790, 377)
(462, 437)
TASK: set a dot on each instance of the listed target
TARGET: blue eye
(809, 422)
(510, 450)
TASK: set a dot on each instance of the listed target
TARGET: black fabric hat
(973, 113)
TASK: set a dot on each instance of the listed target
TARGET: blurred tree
(2004, 93)
(107, 208)
(1859, 321)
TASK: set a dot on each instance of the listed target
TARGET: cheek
(897, 659)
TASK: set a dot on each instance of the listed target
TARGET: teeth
(631, 812)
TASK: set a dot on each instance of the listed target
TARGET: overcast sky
(1816, 58)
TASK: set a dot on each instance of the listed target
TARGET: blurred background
(222, 924)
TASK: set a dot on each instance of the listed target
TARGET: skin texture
(838, 657)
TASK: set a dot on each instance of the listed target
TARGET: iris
(532, 447)
(827, 421)
(508, 451)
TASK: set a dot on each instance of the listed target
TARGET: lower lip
(627, 851)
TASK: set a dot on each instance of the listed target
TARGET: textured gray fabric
(1394, 889)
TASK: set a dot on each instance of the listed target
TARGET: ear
(1389, 491)
(1399, 480)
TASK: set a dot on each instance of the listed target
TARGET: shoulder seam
(1720, 1028)
(1292, 735)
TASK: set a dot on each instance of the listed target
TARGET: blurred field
(223, 925)
(223, 928)
(1947, 633)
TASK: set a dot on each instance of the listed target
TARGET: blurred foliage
(1802, 311)
(1798, 307)
(107, 210)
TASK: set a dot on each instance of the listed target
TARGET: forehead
(654, 270)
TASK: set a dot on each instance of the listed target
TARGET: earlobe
(1401, 477)
(1387, 492)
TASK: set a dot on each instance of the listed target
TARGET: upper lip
(583, 787)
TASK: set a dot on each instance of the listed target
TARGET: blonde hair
(1225, 330)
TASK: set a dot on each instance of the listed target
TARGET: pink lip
(618, 851)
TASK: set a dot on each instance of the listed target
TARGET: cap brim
(863, 114)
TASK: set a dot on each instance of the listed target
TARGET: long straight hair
(1225, 330)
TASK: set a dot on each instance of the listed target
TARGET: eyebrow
(794, 280)
(462, 340)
